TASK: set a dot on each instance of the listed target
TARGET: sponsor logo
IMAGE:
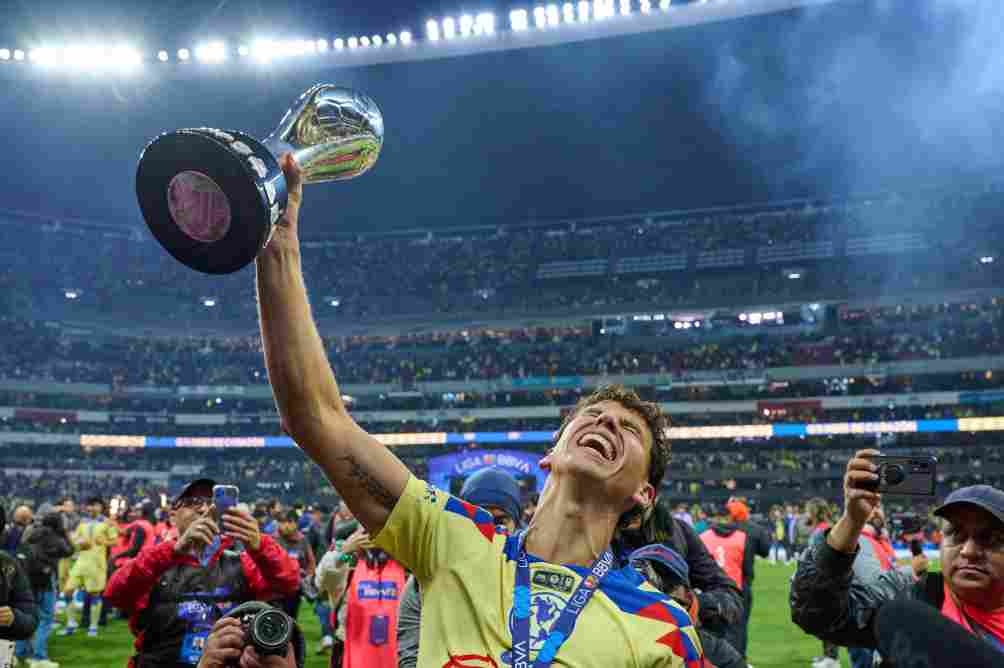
(552, 580)
(373, 589)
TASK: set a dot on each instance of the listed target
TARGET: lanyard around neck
(565, 624)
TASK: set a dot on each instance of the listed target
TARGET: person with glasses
(176, 590)
(828, 601)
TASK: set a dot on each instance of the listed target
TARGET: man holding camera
(828, 602)
(176, 590)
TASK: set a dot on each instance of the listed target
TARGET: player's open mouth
(599, 443)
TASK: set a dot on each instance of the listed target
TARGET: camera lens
(893, 474)
(271, 630)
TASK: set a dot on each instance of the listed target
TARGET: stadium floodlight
(4, 54)
(183, 54)
(212, 53)
(364, 41)
(432, 30)
(322, 45)
(987, 259)
(794, 275)
(539, 17)
(484, 23)
(208, 302)
(243, 50)
(625, 7)
(405, 37)
(603, 9)
(353, 42)
(665, 4)
(377, 40)
(339, 44)
(519, 20)
(18, 54)
(43, 56)
(71, 294)
(391, 39)
(162, 56)
(466, 25)
(263, 50)
(645, 6)
(583, 10)
(553, 15)
(449, 28)
(335, 301)
(568, 12)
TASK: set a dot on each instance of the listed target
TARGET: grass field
(774, 641)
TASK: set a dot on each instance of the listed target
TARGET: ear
(645, 495)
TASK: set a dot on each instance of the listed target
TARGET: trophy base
(210, 197)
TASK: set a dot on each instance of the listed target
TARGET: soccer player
(551, 592)
(94, 535)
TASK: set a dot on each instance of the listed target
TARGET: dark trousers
(292, 605)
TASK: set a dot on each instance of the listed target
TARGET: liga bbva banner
(464, 464)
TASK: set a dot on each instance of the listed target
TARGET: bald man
(12, 536)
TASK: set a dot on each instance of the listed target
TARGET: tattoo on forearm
(372, 486)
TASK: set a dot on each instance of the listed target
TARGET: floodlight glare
(391, 39)
(339, 44)
(183, 54)
(664, 4)
(377, 40)
(432, 30)
(485, 22)
(4, 54)
(405, 37)
(449, 28)
(211, 53)
(583, 12)
(322, 45)
(568, 12)
(519, 20)
(539, 17)
(645, 6)
(364, 41)
(553, 15)
(162, 56)
(353, 42)
(625, 7)
(466, 25)
(18, 54)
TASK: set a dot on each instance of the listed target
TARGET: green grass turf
(774, 641)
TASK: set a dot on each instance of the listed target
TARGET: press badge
(197, 618)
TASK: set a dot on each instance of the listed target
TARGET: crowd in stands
(496, 271)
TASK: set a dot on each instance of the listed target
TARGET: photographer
(173, 591)
(829, 602)
(39, 553)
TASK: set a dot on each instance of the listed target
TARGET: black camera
(269, 630)
(911, 476)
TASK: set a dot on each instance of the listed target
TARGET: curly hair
(654, 417)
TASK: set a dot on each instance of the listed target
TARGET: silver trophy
(211, 197)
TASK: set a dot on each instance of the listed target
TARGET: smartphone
(909, 476)
(225, 497)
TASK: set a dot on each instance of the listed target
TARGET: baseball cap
(665, 556)
(202, 487)
(986, 497)
(493, 487)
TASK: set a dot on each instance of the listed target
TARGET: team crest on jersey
(470, 661)
(591, 582)
(545, 607)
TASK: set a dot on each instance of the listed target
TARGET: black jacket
(828, 602)
(15, 591)
(720, 599)
(48, 546)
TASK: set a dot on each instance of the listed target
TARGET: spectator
(333, 576)
(18, 614)
(298, 549)
(171, 590)
(227, 644)
(44, 544)
(829, 602)
(498, 493)
(12, 536)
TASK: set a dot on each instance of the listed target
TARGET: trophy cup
(211, 197)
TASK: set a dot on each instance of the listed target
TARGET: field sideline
(775, 642)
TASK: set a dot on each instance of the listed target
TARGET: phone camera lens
(893, 474)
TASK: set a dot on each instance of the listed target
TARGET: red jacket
(270, 574)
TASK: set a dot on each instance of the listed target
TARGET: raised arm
(366, 474)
